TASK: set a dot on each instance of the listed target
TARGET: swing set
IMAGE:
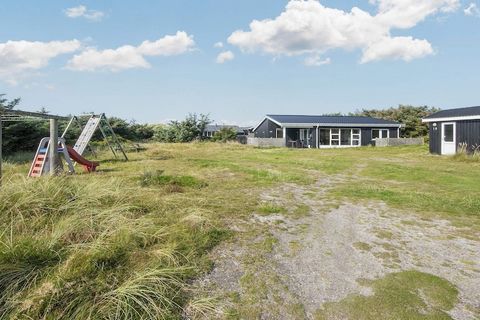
(48, 160)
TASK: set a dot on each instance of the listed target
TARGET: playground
(219, 230)
(51, 160)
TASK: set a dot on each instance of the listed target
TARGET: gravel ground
(320, 256)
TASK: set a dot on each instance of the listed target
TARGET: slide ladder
(99, 122)
(40, 164)
(88, 131)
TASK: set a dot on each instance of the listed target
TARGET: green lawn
(126, 241)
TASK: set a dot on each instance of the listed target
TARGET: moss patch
(403, 295)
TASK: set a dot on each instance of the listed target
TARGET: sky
(155, 61)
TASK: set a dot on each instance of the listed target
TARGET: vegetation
(126, 243)
(25, 135)
(187, 130)
(397, 297)
(225, 134)
(409, 115)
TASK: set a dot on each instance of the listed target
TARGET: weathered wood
(53, 150)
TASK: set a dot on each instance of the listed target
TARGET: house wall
(266, 130)
(467, 131)
(435, 139)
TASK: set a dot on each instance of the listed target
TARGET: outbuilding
(453, 130)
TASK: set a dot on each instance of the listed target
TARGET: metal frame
(7, 115)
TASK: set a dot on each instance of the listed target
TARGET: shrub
(225, 134)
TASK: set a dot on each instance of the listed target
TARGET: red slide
(88, 165)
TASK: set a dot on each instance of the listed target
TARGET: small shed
(454, 129)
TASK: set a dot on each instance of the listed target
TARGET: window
(339, 137)
(448, 134)
(346, 135)
(335, 137)
(380, 134)
(355, 137)
(324, 137)
(279, 133)
(303, 134)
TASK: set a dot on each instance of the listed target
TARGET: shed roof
(469, 113)
(313, 120)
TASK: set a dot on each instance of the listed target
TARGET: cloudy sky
(237, 60)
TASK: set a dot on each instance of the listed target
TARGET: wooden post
(1, 144)
(53, 152)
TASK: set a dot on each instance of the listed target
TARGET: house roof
(345, 121)
(470, 113)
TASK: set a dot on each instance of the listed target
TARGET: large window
(324, 138)
(380, 134)
(346, 135)
(339, 137)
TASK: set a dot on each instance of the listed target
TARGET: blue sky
(308, 59)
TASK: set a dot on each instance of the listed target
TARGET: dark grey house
(450, 129)
(303, 131)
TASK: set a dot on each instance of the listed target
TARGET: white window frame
(380, 134)
(359, 139)
(353, 137)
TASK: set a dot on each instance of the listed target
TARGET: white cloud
(405, 48)
(316, 61)
(19, 58)
(308, 27)
(82, 11)
(218, 45)
(128, 57)
(225, 56)
(472, 10)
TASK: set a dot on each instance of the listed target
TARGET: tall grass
(95, 248)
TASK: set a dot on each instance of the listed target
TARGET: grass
(404, 295)
(127, 241)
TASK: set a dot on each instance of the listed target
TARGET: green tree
(6, 104)
(187, 130)
(225, 134)
(411, 116)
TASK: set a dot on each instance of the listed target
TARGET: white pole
(53, 146)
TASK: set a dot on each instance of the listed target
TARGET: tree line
(25, 135)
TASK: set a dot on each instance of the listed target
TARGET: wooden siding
(435, 140)
(266, 130)
(469, 132)
(466, 132)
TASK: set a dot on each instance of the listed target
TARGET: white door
(449, 143)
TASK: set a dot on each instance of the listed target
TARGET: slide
(90, 166)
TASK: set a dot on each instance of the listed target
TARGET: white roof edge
(477, 117)
(265, 118)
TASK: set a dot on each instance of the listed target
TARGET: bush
(225, 134)
(187, 130)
